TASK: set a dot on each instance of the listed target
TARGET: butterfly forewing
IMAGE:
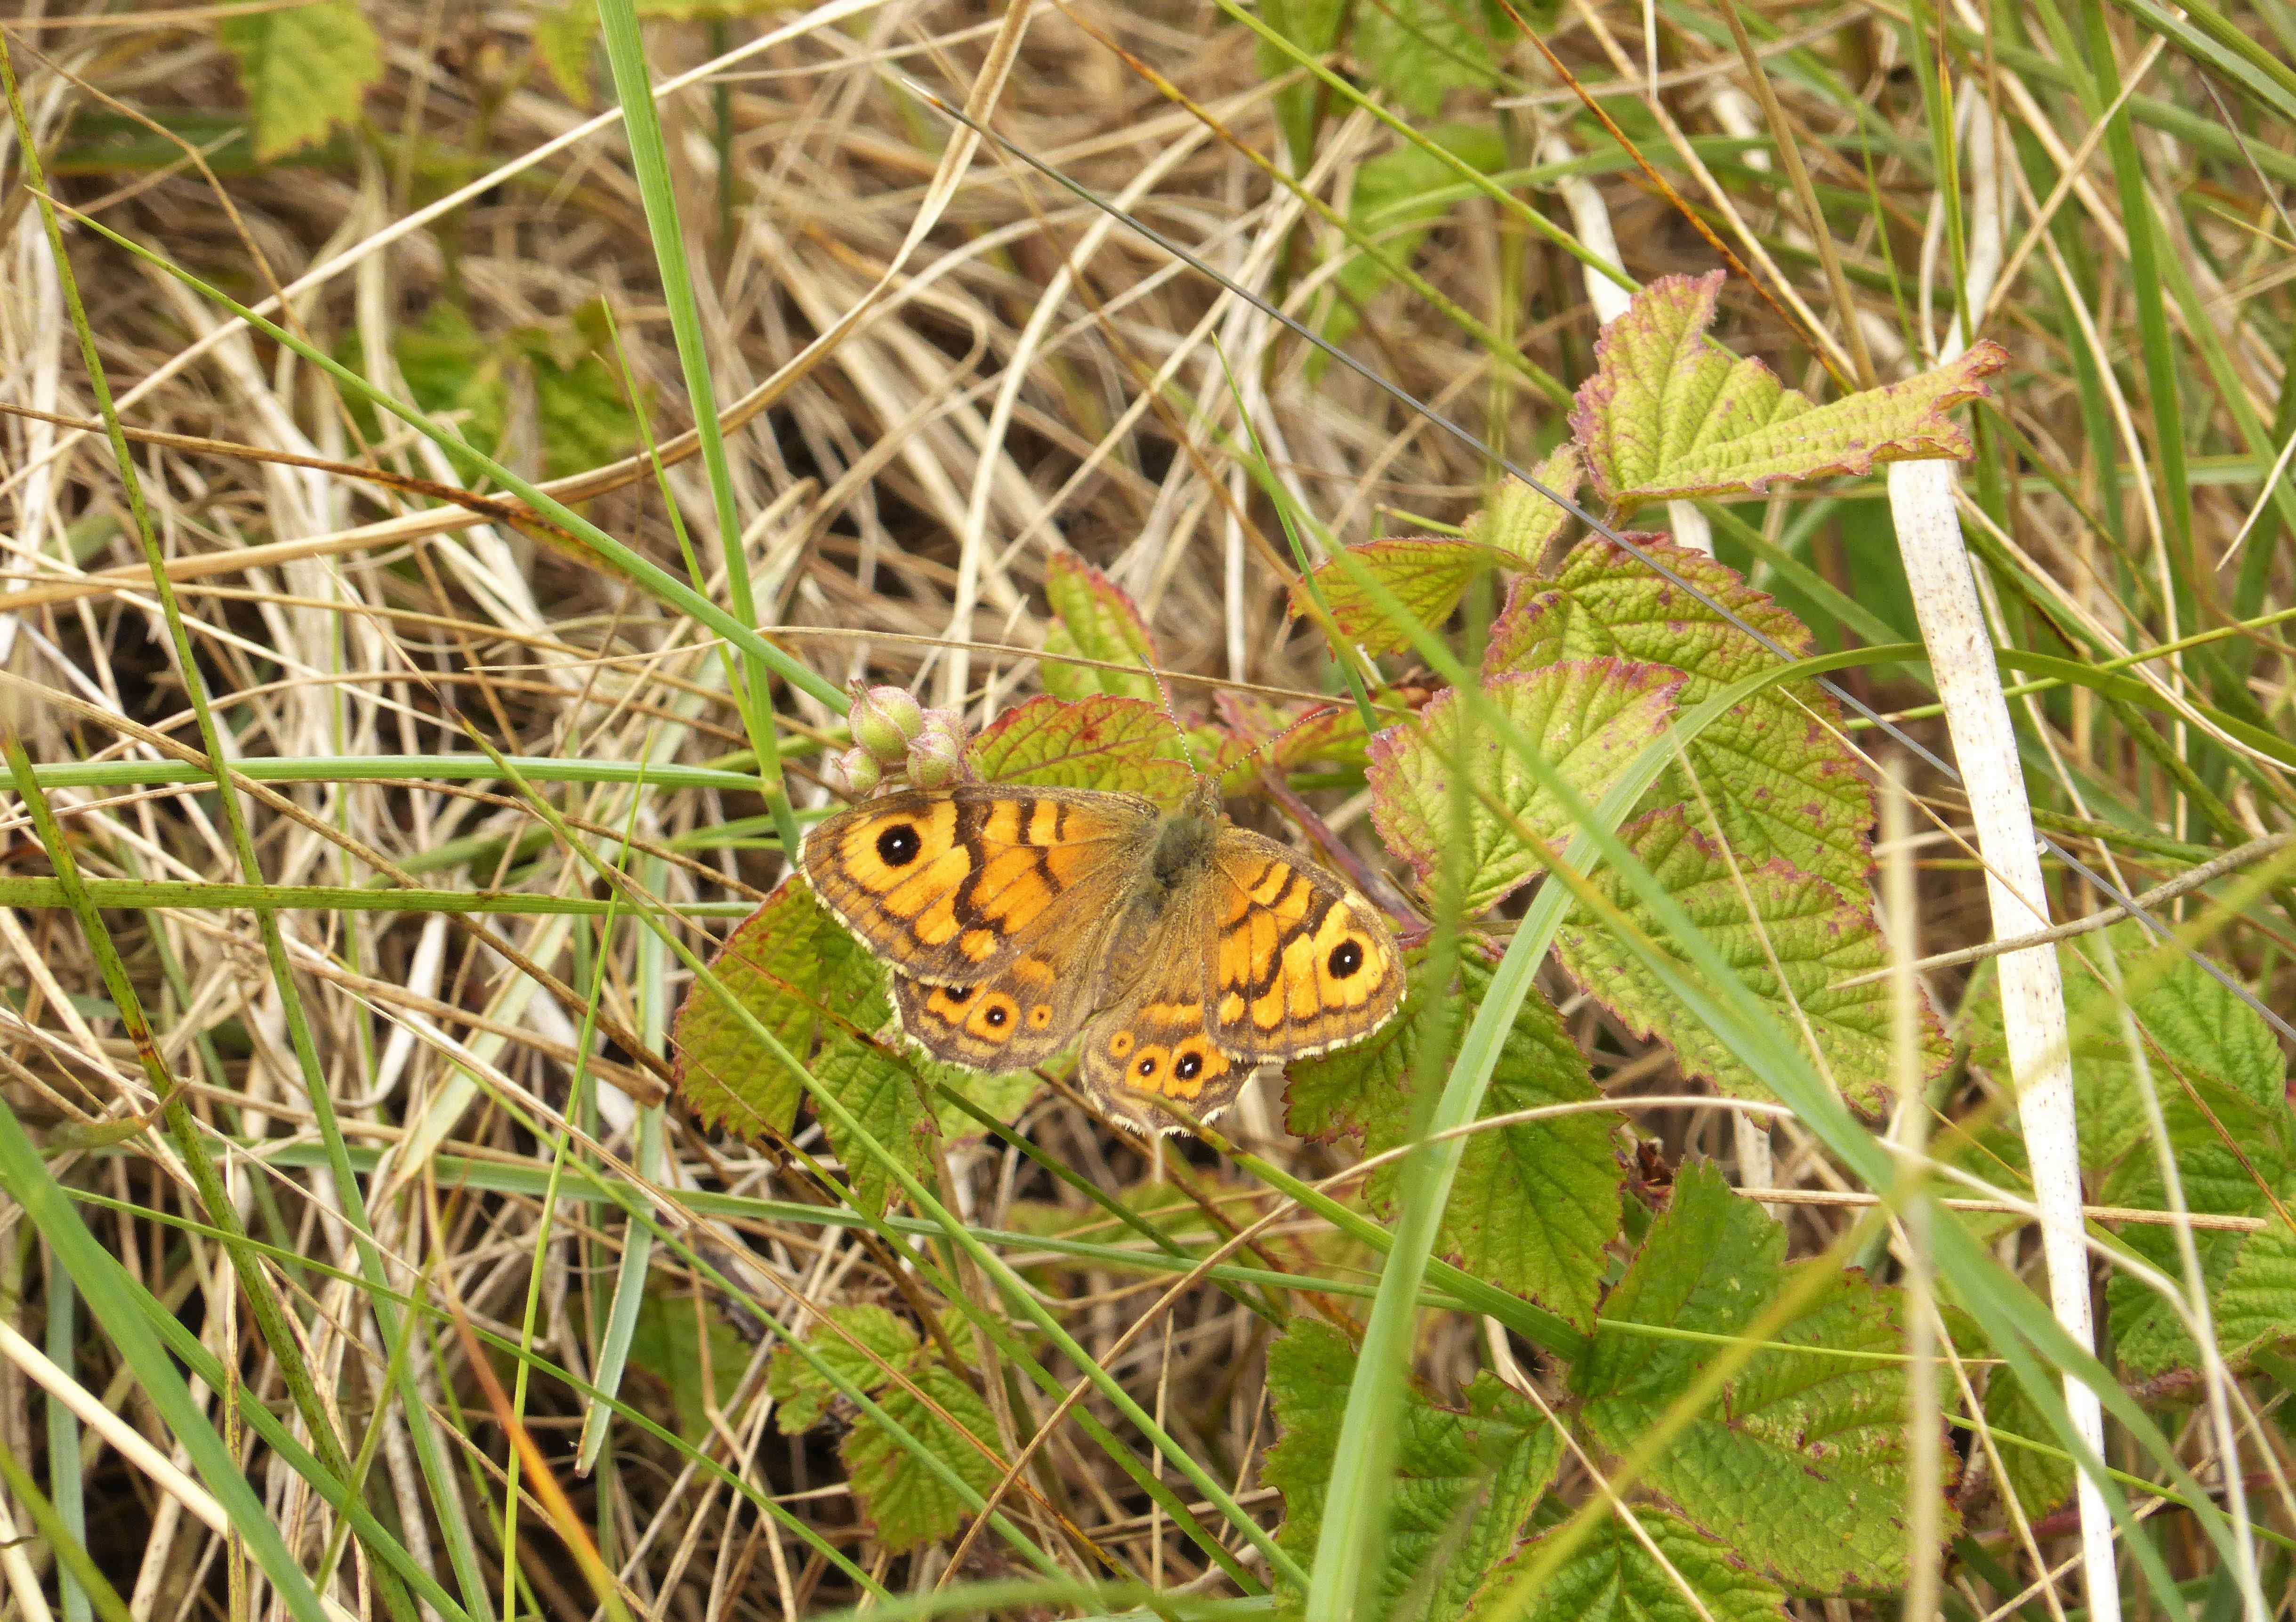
(956, 885)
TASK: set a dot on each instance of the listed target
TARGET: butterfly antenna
(1172, 714)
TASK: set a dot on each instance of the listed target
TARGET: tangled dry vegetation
(918, 424)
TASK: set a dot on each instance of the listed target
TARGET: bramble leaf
(2041, 1480)
(1427, 575)
(1419, 50)
(1103, 743)
(905, 1502)
(806, 979)
(1611, 1577)
(1466, 1480)
(802, 1394)
(1517, 520)
(1534, 1204)
(2195, 1029)
(2221, 1083)
(1799, 1466)
(1589, 719)
(1093, 618)
(305, 70)
(1669, 414)
(1799, 926)
(1780, 777)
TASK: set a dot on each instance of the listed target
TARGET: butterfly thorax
(1183, 846)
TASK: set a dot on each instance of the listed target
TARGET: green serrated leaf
(1419, 50)
(1101, 742)
(806, 979)
(667, 1342)
(2256, 1306)
(881, 1088)
(1766, 921)
(1611, 1577)
(905, 1504)
(1799, 1467)
(1781, 779)
(2197, 1032)
(1517, 520)
(1427, 574)
(306, 70)
(2041, 1480)
(802, 1394)
(1670, 415)
(1093, 618)
(1534, 1204)
(1590, 718)
(1466, 1480)
(580, 417)
(454, 374)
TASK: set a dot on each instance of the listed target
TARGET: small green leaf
(1799, 925)
(880, 1085)
(806, 979)
(581, 417)
(1419, 50)
(2221, 1083)
(1466, 1480)
(2041, 1480)
(1799, 1467)
(802, 1394)
(1428, 575)
(1669, 414)
(667, 1343)
(453, 372)
(1589, 719)
(1520, 521)
(1780, 777)
(305, 70)
(1611, 1577)
(1093, 618)
(2256, 1308)
(1534, 1204)
(1097, 743)
(2195, 1029)
(905, 1503)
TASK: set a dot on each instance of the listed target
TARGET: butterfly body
(1174, 950)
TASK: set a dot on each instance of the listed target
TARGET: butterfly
(1174, 950)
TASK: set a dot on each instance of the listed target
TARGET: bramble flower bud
(883, 719)
(937, 753)
(855, 771)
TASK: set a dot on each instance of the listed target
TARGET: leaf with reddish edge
(1589, 719)
(1103, 742)
(1802, 938)
(1669, 413)
(1093, 618)
(1781, 779)
(803, 976)
(1517, 520)
(1427, 575)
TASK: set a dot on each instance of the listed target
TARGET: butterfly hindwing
(1301, 962)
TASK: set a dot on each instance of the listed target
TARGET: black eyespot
(1190, 1067)
(1346, 958)
(898, 845)
(995, 1016)
(1147, 1067)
